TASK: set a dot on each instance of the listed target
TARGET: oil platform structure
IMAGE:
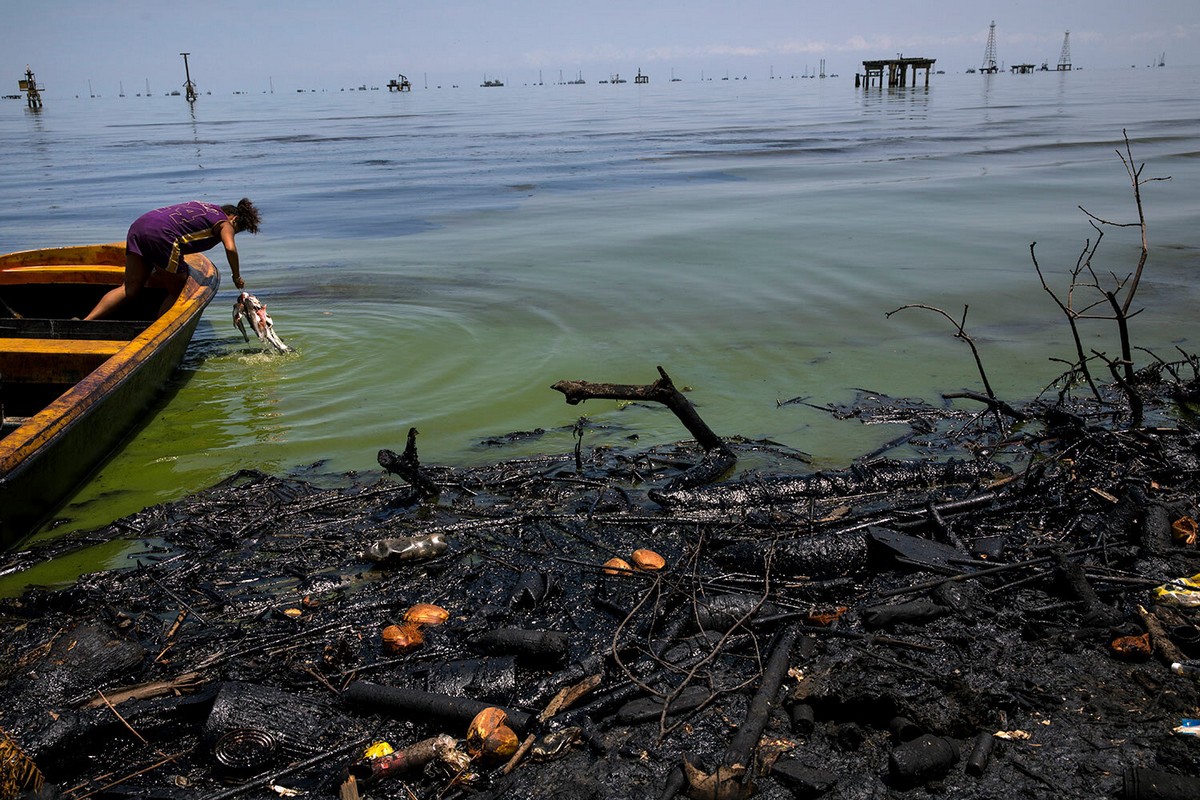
(188, 87)
(33, 93)
(1064, 58)
(989, 54)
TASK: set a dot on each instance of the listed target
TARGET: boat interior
(45, 348)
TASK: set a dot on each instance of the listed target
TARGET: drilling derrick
(989, 54)
(1064, 58)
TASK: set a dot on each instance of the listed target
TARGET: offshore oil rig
(990, 66)
(33, 92)
(189, 87)
(897, 71)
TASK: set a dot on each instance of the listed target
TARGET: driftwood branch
(408, 466)
(718, 458)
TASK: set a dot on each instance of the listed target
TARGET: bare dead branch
(718, 457)
(961, 333)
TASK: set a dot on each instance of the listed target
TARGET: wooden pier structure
(897, 71)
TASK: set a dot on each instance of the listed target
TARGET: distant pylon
(989, 54)
(1064, 59)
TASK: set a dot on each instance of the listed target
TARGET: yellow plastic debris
(1183, 592)
(378, 750)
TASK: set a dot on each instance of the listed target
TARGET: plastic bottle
(1190, 667)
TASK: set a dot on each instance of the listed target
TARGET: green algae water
(439, 258)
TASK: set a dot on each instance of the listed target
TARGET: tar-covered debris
(979, 619)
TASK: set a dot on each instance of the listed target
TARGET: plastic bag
(1183, 592)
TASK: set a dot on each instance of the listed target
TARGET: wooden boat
(71, 390)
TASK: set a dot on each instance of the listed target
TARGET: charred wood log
(741, 750)
(418, 705)
(718, 458)
(914, 611)
(529, 646)
(821, 556)
(879, 476)
(260, 723)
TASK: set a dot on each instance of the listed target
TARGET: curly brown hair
(245, 215)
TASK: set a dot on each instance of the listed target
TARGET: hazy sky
(325, 44)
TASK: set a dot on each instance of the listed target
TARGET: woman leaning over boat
(159, 239)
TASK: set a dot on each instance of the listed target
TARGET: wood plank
(64, 361)
(52, 347)
(38, 328)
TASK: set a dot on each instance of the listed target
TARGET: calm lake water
(439, 258)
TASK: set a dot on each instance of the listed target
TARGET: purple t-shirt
(163, 236)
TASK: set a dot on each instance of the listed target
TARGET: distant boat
(493, 82)
(578, 79)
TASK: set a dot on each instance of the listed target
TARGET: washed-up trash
(406, 548)
(379, 750)
(1188, 727)
(1180, 592)
(426, 614)
(1184, 531)
(373, 768)
(1132, 648)
(555, 743)
(1186, 668)
(647, 560)
(17, 770)
(402, 638)
(1013, 736)
(252, 727)
(489, 738)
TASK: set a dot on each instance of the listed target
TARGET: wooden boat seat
(53, 360)
(39, 328)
